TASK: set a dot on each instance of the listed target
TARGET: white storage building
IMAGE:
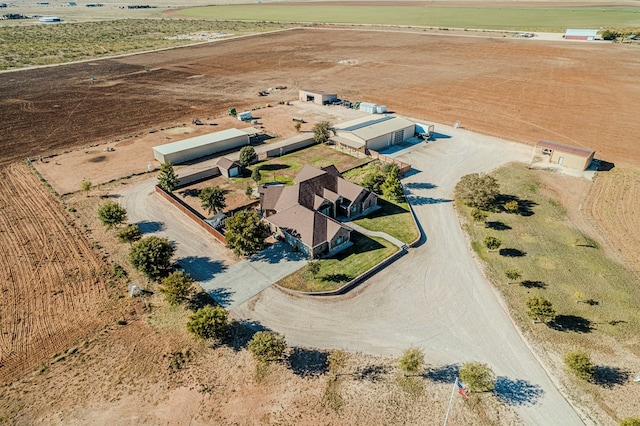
(375, 132)
(200, 146)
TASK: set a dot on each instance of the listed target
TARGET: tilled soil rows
(524, 90)
(52, 282)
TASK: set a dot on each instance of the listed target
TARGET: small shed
(573, 34)
(244, 115)
(319, 97)
(570, 156)
(228, 168)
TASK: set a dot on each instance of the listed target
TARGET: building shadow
(517, 392)
(308, 362)
(436, 135)
(148, 227)
(609, 377)
(201, 268)
(444, 374)
(604, 166)
(571, 323)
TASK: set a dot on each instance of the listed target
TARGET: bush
(412, 361)
(479, 215)
(492, 243)
(129, 234)
(579, 363)
(540, 309)
(477, 377)
(256, 175)
(112, 214)
(266, 346)
(152, 256)
(210, 322)
(512, 274)
(477, 190)
(86, 185)
(177, 287)
(630, 421)
(511, 206)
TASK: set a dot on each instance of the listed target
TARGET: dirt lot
(517, 89)
(54, 285)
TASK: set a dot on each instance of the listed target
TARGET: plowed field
(52, 284)
(523, 90)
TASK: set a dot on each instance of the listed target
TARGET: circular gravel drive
(435, 297)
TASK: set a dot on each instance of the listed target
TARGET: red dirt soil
(524, 90)
(52, 284)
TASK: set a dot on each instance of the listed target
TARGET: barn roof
(569, 149)
(198, 141)
(319, 92)
(372, 126)
(227, 164)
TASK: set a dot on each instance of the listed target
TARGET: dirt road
(435, 297)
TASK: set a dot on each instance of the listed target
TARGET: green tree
(177, 287)
(313, 266)
(266, 346)
(245, 233)
(210, 322)
(321, 132)
(248, 191)
(167, 178)
(412, 361)
(479, 215)
(392, 188)
(256, 175)
(129, 234)
(152, 256)
(248, 155)
(630, 421)
(511, 206)
(112, 214)
(540, 309)
(477, 377)
(580, 364)
(478, 190)
(86, 185)
(213, 199)
(297, 126)
(512, 275)
(492, 243)
(232, 111)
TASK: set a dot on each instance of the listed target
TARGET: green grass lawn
(336, 271)
(393, 218)
(502, 18)
(556, 262)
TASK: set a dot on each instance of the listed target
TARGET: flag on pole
(461, 390)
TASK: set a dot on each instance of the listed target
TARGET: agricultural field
(541, 18)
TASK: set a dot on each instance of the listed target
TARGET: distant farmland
(499, 18)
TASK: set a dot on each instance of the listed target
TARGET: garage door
(398, 136)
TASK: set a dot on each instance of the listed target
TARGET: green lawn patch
(557, 261)
(501, 18)
(336, 271)
(393, 218)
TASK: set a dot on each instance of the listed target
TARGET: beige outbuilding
(201, 146)
(373, 132)
(319, 97)
(570, 156)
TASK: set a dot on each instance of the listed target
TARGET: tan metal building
(375, 132)
(317, 96)
(200, 146)
(570, 156)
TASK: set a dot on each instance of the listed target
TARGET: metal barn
(317, 96)
(200, 146)
(570, 156)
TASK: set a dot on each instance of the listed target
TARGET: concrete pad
(245, 279)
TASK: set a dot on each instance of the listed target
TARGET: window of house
(339, 240)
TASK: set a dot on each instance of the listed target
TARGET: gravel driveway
(435, 297)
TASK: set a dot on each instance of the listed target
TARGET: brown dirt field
(577, 93)
(53, 283)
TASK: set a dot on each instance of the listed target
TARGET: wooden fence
(404, 167)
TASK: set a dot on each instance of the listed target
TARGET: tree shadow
(192, 192)
(201, 268)
(272, 167)
(444, 374)
(571, 323)
(511, 252)
(533, 284)
(372, 373)
(110, 196)
(498, 226)
(416, 200)
(517, 392)
(336, 278)
(308, 362)
(147, 227)
(525, 207)
(199, 300)
(222, 296)
(419, 185)
(240, 332)
(609, 377)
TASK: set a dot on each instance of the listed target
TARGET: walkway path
(383, 235)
